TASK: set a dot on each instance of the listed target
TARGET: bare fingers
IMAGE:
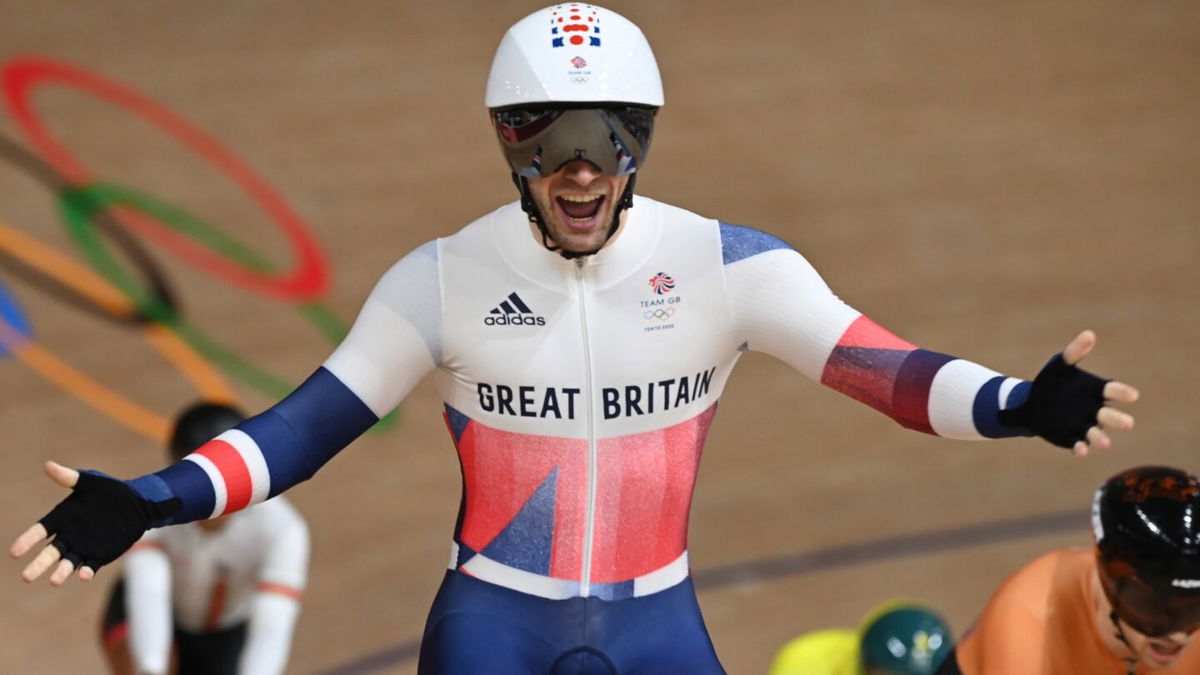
(40, 564)
(1111, 418)
(1096, 440)
(60, 474)
(62, 573)
(28, 539)
(1079, 347)
(1120, 392)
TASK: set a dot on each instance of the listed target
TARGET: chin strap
(535, 216)
(1131, 662)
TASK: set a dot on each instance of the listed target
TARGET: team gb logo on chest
(661, 310)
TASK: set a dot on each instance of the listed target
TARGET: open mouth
(1166, 652)
(580, 209)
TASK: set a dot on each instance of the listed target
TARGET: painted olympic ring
(80, 204)
(87, 207)
(129, 245)
(12, 316)
(660, 314)
(20, 77)
(16, 339)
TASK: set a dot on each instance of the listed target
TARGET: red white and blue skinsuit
(578, 394)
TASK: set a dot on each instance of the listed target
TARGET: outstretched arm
(783, 307)
(254, 461)
(395, 340)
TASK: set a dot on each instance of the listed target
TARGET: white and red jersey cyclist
(238, 581)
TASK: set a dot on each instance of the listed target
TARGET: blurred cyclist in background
(1130, 606)
(222, 595)
(895, 638)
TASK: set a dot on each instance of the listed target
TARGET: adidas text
(514, 320)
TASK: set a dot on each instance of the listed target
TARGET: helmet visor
(538, 141)
(1150, 611)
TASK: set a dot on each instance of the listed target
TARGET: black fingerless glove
(101, 519)
(1062, 405)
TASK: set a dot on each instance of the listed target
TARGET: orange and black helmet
(1146, 523)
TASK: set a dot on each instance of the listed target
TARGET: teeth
(580, 198)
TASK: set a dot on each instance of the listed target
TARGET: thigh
(467, 643)
(215, 653)
(476, 627)
(660, 633)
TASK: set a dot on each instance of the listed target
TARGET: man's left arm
(783, 307)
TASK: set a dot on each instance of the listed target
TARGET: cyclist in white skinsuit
(580, 346)
(222, 595)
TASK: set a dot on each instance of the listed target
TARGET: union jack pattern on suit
(661, 283)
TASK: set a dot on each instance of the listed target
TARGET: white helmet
(573, 82)
(574, 53)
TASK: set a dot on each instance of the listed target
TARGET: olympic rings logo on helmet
(89, 207)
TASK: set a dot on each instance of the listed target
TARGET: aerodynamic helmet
(1146, 525)
(904, 638)
(571, 82)
(574, 81)
(199, 424)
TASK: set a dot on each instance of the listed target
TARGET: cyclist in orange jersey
(1131, 605)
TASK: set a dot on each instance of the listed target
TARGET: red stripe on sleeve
(280, 589)
(238, 484)
(866, 333)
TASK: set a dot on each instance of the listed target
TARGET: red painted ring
(309, 280)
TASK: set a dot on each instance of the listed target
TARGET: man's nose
(581, 172)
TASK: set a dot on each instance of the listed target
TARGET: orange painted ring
(211, 385)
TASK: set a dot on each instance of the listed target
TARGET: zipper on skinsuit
(585, 576)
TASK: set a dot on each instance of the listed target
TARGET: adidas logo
(513, 312)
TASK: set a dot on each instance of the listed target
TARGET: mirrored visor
(538, 141)
(1151, 612)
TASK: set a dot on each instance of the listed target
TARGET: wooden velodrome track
(984, 181)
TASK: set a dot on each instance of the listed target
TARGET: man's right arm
(395, 341)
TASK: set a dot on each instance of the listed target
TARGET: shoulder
(506, 221)
(737, 242)
(1028, 607)
(424, 258)
(1049, 571)
(1032, 590)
